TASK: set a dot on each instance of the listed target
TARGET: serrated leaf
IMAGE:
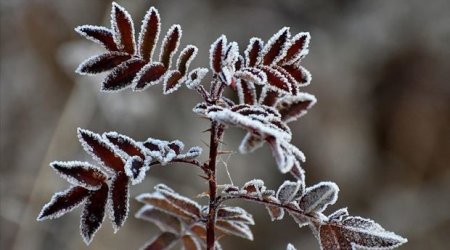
(97, 34)
(163, 241)
(148, 37)
(216, 54)
(100, 150)
(119, 193)
(276, 47)
(93, 213)
(80, 174)
(319, 196)
(151, 74)
(101, 63)
(122, 76)
(164, 221)
(123, 28)
(170, 45)
(63, 202)
(253, 52)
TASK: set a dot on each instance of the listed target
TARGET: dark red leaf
(246, 92)
(170, 45)
(253, 52)
(163, 241)
(119, 199)
(93, 213)
(125, 143)
(80, 174)
(300, 74)
(291, 108)
(148, 37)
(276, 80)
(102, 63)
(332, 239)
(100, 35)
(268, 97)
(123, 28)
(172, 81)
(101, 150)
(123, 75)
(63, 202)
(216, 53)
(275, 47)
(297, 49)
(186, 56)
(149, 75)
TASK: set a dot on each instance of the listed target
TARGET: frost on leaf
(119, 199)
(100, 35)
(356, 232)
(172, 81)
(255, 186)
(246, 92)
(122, 76)
(81, 174)
(123, 28)
(276, 47)
(148, 37)
(186, 56)
(236, 214)
(190, 243)
(170, 45)
(93, 213)
(338, 215)
(277, 81)
(319, 196)
(290, 247)
(195, 77)
(293, 107)
(101, 150)
(216, 54)
(163, 241)
(298, 48)
(289, 191)
(275, 211)
(165, 222)
(234, 228)
(63, 202)
(253, 52)
(101, 63)
(151, 74)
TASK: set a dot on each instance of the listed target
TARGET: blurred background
(380, 130)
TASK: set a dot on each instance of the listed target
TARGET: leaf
(275, 212)
(276, 47)
(164, 221)
(253, 75)
(172, 81)
(170, 45)
(100, 150)
(122, 76)
(80, 174)
(268, 96)
(190, 243)
(125, 143)
(163, 241)
(319, 196)
(187, 55)
(119, 193)
(191, 153)
(163, 204)
(151, 74)
(234, 228)
(216, 54)
(293, 107)
(250, 143)
(299, 218)
(101, 63)
(123, 28)
(277, 81)
(189, 206)
(255, 186)
(135, 169)
(148, 37)
(235, 214)
(290, 247)
(297, 48)
(253, 52)
(176, 146)
(100, 35)
(358, 232)
(93, 213)
(231, 55)
(246, 92)
(288, 191)
(338, 215)
(195, 77)
(63, 202)
(300, 74)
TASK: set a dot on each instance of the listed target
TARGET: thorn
(207, 130)
(204, 177)
(225, 152)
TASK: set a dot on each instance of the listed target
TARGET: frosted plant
(265, 80)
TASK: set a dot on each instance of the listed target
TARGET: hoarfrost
(151, 74)
(195, 77)
(253, 52)
(216, 53)
(101, 63)
(80, 174)
(288, 191)
(63, 202)
(122, 25)
(99, 35)
(148, 37)
(170, 45)
(319, 196)
(276, 47)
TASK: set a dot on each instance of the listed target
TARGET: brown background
(381, 128)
